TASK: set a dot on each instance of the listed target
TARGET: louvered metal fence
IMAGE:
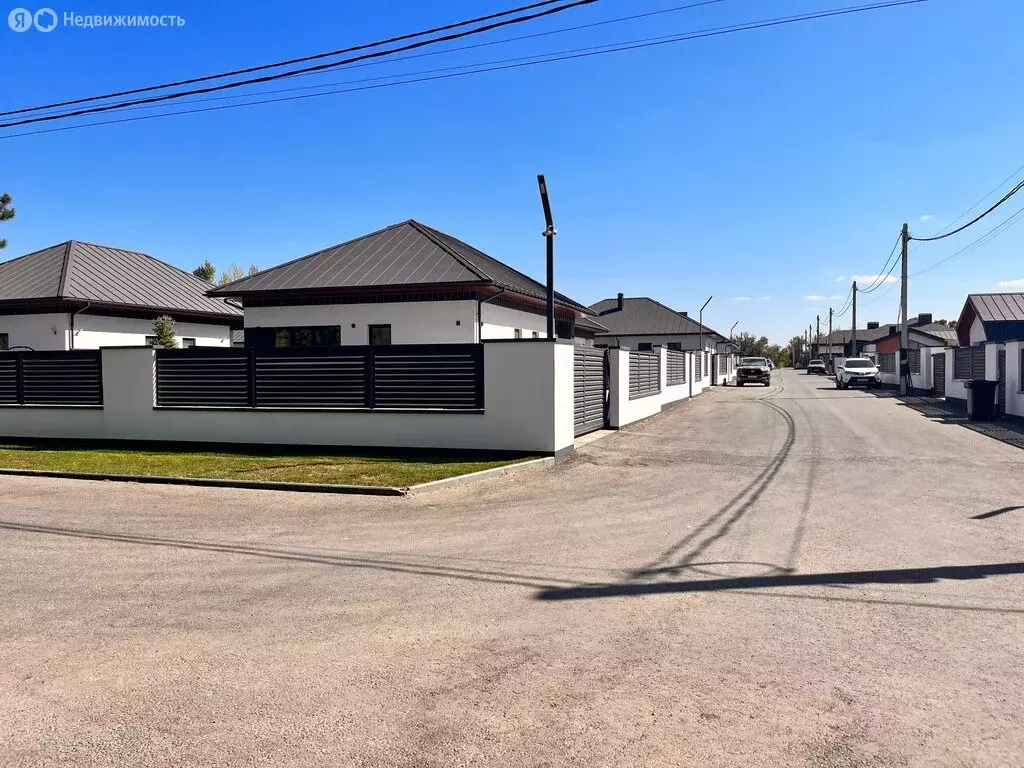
(644, 374)
(72, 377)
(675, 367)
(408, 376)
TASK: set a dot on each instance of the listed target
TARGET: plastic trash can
(981, 399)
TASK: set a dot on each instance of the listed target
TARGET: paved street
(792, 576)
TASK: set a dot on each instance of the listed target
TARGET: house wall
(502, 322)
(95, 331)
(1014, 384)
(955, 389)
(977, 331)
(412, 322)
(528, 406)
(42, 332)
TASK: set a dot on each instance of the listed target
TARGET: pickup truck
(753, 370)
(816, 367)
(857, 370)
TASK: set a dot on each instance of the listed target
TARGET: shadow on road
(995, 513)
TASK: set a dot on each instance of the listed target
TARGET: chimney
(872, 326)
(924, 318)
(620, 302)
(893, 329)
(685, 314)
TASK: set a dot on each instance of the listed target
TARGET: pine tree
(163, 329)
(205, 271)
(6, 214)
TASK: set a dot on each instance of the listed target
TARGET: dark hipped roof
(998, 307)
(643, 316)
(404, 254)
(941, 331)
(85, 272)
(590, 324)
(882, 332)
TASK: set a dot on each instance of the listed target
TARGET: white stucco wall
(528, 406)
(955, 388)
(502, 322)
(1014, 385)
(623, 411)
(95, 331)
(977, 331)
(412, 322)
(42, 332)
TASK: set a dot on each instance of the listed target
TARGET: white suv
(857, 370)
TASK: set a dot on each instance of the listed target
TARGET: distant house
(79, 295)
(991, 317)
(405, 284)
(642, 323)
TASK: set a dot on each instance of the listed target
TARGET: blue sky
(774, 163)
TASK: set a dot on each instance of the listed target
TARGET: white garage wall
(42, 332)
(95, 331)
(412, 322)
(501, 322)
(528, 406)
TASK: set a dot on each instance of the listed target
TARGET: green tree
(798, 346)
(6, 214)
(253, 270)
(229, 275)
(750, 345)
(205, 271)
(163, 329)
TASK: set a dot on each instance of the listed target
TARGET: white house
(78, 295)
(642, 323)
(404, 284)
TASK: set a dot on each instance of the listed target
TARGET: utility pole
(905, 329)
(853, 348)
(817, 336)
(830, 334)
(700, 322)
(549, 236)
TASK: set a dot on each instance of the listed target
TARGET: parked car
(753, 370)
(816, 367)
(857, 370)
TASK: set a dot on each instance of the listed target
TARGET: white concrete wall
(528, 406)
(977, 331)
(1014, 385)
(923, 380)
(95, 331)
(955, 388)
(412, 322)
(623, 411)
(502, 322)
(992, 361)
(42, 332)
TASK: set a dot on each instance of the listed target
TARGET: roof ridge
(65, 260)
(428, 232)
(311, 255)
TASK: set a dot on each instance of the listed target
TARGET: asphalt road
(791, 576)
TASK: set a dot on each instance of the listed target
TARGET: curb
(258, 485)
(483, 474)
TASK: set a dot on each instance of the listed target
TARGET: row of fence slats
(978, 362)
(328, 381)
(644, 374)
(914, 360)
(588, 390)
(962, 363)
(450, 379)
(51, 378)
(675, 364)
(440, 376)
(199, 379)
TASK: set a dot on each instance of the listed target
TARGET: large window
(188, 343)
(380, 335)
(308, 336)
(5, 341)
(914, 360)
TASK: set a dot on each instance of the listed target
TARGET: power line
(976, 219)
(288, 62)
(992, 234)
(879, 277)
(293, 72)
(987, 195)
(539, 59)
(880, 280)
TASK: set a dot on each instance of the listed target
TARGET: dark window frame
(370, 329)
(5, 341)
(187, 342)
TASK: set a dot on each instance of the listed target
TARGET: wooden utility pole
(817, 336)
(853, 347)
(830, 333)
(549, 236)
(905, 328)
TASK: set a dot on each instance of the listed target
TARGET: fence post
(251, 375)
(371, 385)
(19, 378)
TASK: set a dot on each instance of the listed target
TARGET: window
(676, 345)
(151, 341)
(5, 341)
(518, 333)
(536, 334)
(188, 343)
(380, 335)
(307, 336)
(887, 362)
(914, 360)
(644, 346)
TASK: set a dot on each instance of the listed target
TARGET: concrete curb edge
(483, 474)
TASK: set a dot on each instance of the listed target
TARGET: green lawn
(336, 468)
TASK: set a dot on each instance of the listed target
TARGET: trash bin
(981, 399)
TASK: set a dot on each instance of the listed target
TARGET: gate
(590, 388)
(939, 374)
(1001, 389)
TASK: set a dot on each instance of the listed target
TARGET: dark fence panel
(73, 377)
(443, 376)
(914, 360)
(644, 374)
(203, 377)
(449, 376)
(978, 362)
(327, 377)
(962, 363)
(589, 386)
(675, 368)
